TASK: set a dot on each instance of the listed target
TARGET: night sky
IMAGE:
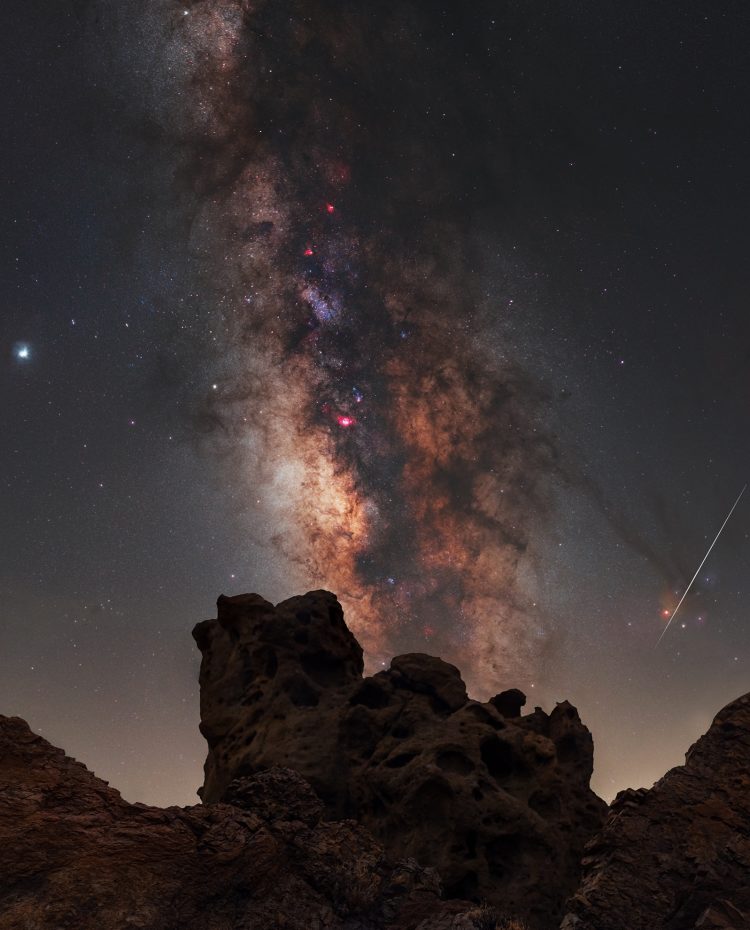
(442, 307)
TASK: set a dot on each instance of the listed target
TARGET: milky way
(337, 177)
(439, 306)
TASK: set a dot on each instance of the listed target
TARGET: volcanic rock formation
(497, 802)
(677, 856)
(75, 856)
(494, 803)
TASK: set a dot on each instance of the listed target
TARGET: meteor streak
(687, 589)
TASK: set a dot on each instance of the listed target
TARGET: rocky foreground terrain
(74, 854)
(497, 802)
(677, 856)
(337, 802)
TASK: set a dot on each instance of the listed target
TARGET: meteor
(687, 589)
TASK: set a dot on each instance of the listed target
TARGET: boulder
(498, 803)
(677, 856)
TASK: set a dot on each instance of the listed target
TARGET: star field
(441, 308)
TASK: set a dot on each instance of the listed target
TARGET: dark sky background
(442, 307)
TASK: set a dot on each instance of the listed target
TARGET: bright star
(22, 351)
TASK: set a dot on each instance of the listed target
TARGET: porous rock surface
(75, 856)
(677, 856)
(497, 802)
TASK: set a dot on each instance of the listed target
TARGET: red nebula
(345, 421)
(330, 208)
(308, 252)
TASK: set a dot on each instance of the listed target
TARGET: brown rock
(431, 676)
(723, 915)
(509, 702)
(499, 804)
(677, 856)
(75, 856)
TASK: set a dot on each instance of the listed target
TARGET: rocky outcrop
(677, 856)
(497, 802)
(75, 856)
(449, 794)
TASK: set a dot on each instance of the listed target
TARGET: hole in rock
(451, 760)
(466, 887)
(324, 669)
(439, 706)
(432, 800)
(498, 756)
(399, 761)
(567, 748)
